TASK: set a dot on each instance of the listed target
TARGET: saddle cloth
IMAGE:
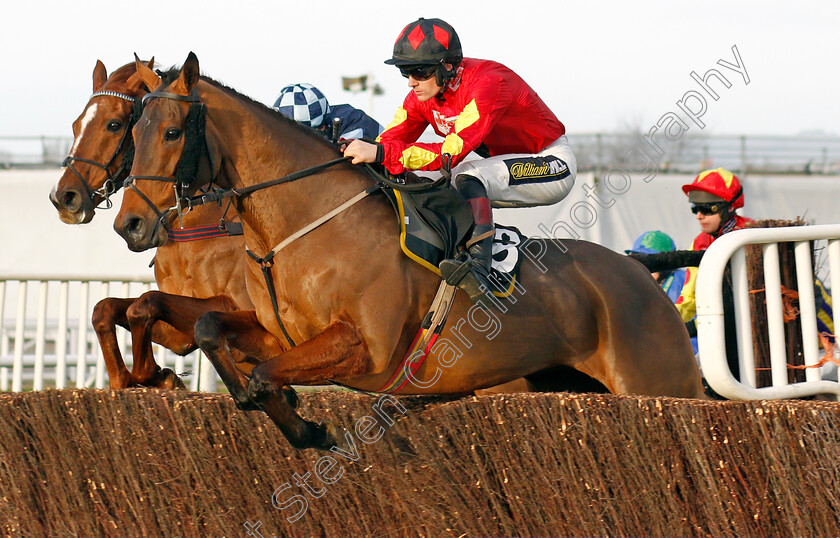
(432, 230)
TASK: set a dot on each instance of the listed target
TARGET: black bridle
(195, 146)
(114, 181)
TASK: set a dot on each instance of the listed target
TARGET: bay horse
(350, 299)
(192, 277)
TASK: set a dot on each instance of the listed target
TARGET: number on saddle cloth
(507, 259)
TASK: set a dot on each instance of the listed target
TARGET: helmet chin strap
(443, 76)
(727, 222)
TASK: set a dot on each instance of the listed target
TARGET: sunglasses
(707, 209)
(419, 73)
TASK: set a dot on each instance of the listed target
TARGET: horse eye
(172, 134)
(114, 126)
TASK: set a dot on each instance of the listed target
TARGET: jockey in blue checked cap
(306, 104)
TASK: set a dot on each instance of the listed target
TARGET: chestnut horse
(210, 269)
(347, 295)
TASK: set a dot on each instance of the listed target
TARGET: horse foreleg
(218, 332)
(168, 320)
(337, 352)
(107, 314)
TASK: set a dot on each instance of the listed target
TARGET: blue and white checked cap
(303, 103)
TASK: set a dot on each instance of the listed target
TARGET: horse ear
(100, 75)
(189, 75)
(149, 77)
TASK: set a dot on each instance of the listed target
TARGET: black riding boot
(471, 272)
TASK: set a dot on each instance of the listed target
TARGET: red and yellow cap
(718, 185)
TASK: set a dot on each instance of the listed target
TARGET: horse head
(174, 156)
(102, 147)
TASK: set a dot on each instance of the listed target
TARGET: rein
(113, 181)
(217, 195)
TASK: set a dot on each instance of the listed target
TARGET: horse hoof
(333, 437)
(245, 405)
(168, 380)
(291, 396)
(122, 382)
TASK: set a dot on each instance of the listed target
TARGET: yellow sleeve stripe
(686, 304)
(467, 117)
(414, 158)
(400, 116)
(452, 144)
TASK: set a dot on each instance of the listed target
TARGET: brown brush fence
(758, 306)
(144, 463)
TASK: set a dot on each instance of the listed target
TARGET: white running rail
(710, 324)
(56, 346)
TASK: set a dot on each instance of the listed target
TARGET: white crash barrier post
(710, 308)
(37, 350)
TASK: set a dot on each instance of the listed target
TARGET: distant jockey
(307, 105)
(657, 242)
(714, 196)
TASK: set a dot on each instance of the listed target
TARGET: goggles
(419, 73)
(708, 209)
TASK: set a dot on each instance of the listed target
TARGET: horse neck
(259, 146)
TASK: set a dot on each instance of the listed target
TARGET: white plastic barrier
(53, 350)
(710, 323)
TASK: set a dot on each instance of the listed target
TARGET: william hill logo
(536, 169)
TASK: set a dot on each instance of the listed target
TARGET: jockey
(480, 106)
(306, 104)
(714, 195)
(655, 243)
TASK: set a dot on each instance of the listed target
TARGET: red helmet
(426, 42)
(716, 185)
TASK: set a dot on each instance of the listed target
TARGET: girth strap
(266, 264)
(267, 261)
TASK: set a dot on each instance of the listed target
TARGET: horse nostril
(72, 200)
(134, 227)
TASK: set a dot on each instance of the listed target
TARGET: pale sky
(598, 65)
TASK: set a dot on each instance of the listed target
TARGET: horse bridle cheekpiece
(115, 180)
(195, 145)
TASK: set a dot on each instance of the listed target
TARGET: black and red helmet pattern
(426, 42)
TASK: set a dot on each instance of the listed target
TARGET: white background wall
(34, 240)
(660, 204)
